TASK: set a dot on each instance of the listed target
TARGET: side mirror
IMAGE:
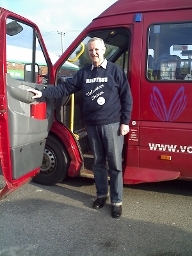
(30, 71)
(13, 28)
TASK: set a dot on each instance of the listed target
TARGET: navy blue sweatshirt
(106, 93)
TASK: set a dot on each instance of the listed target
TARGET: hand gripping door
(23, 136)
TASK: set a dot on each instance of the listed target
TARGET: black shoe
(99, 202)
(116, 211)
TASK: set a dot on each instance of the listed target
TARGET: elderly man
(107, 106)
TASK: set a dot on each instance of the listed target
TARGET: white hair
(96, 39)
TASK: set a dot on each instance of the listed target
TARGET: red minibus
(152, 42)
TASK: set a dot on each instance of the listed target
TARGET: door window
(25, 58)
(117, 44)
(169, 52)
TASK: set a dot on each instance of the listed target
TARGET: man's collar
(103, 65)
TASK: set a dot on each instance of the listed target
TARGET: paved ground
(58, 220)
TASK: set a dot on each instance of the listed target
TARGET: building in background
(18, 57)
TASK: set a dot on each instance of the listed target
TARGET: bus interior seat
(167, 67)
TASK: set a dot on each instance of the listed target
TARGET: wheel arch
(67, 138)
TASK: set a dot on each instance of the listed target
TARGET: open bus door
(24, 123)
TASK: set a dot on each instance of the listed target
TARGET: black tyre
(55, 163)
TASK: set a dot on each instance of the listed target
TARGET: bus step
(88, 155)
(80, 134)
(88, 161)
(87, 174)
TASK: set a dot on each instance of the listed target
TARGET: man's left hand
(124, 129)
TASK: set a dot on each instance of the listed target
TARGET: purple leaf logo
(175, 109)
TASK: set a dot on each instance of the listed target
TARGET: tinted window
(169, 52)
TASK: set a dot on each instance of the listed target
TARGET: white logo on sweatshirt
(101, 101)
(93, 91)
(97, 79)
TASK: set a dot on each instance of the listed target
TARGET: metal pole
(62, 34)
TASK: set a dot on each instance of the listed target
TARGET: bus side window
(170, 47)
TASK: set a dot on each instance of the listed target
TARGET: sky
(56, 17)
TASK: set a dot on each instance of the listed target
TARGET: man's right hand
(37, 94)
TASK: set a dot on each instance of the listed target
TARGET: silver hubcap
(49, 161)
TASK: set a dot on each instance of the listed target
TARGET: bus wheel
(55, 163)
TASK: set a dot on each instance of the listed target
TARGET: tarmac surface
(59, 220)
